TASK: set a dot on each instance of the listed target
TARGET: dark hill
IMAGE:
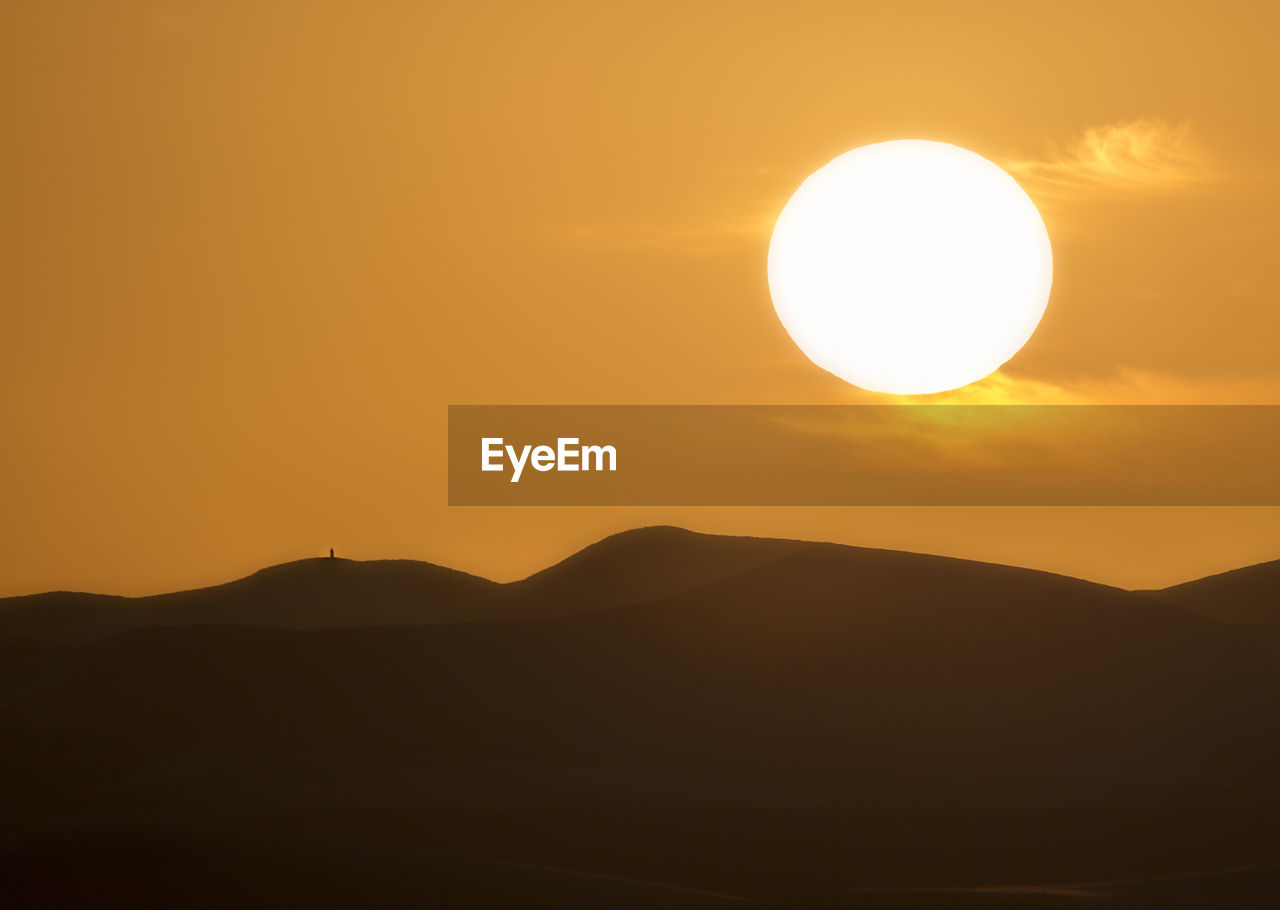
(630, 567)
(646, 564)
(833, 673)
(1247, 596)
(307, 594)
(738, 716)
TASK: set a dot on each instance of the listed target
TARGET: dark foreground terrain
(665, 719)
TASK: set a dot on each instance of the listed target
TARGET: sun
(910, 267)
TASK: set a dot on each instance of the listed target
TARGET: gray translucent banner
(903, 455)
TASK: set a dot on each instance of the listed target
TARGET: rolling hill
(715, 716)
(1247, 596)
(630, 567)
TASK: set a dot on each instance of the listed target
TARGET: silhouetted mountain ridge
(842, 672)
(649, 563)
(308, 593)
(739, 715)
(630, 567)
(1245, 596)
(636, 566)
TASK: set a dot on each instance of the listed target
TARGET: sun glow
(910, 267)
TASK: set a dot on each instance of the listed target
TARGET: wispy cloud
(1138, 155)
(1125, 386)
(1046, 455)
(1142, 155)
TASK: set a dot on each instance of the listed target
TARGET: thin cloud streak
(1127, 386)
(1144, 155)
(1136, 156)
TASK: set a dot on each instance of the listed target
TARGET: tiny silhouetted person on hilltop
(331, 552)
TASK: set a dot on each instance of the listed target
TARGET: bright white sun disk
(910, 267)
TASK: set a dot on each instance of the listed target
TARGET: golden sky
(252, 250)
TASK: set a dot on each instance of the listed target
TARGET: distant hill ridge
(732, 696)
(1246, 596)
(631, 567)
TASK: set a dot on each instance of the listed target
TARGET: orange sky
(252, 250)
